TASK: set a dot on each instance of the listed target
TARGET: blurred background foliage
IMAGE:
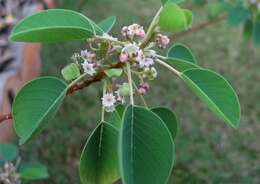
(207, 150)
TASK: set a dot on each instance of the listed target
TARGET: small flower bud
(124, 31)
(124, 89)
(123, 57)
(162, 41)
(141, 91)
(70, 72)
(150, 73)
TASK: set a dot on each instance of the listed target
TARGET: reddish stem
(199, 27)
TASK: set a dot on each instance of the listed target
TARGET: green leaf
(181, 65)
(216, 92)
(189, 17)
(114, 72)
(71, 72)
(33, 171)
(216, 9)
(8, 152)
(256, 33)
(199, 2)
(237, 15)
(54, 25)
(248, 30)
(99, 159)
(173, 1)
(146, 148)
(172, 18)
(35, 104)
(117, 115)
(107, 24)
(180, 51)
(169, 118)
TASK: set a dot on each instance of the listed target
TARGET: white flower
(89, 56)
(108, 101)
(146, 62)
(132, 50)
(88, 68)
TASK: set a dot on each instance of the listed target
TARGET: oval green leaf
(54, 25)
(8, 152)
(180, 51)
(172, 18)
(107, 24)
(181, 65)
(169, 118)
(189, 17)
(217, 8)
(248, 30)
(35, 104)
(237, 16)
(33, 171)
(146, 148)
(99, 159)
(216, 92)
(256, 33)
(117, 115)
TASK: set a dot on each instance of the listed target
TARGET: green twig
(103, 108)
(129, 76)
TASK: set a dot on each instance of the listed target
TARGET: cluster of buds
(162, 41)
(88, 61)
(8, 175)
(143, 88)
(133, 31)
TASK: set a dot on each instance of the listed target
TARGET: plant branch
(87, 82)
(199, 27)
(78, 85)
(75, 86)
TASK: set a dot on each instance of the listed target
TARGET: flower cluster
(132, 31)
(106, 51)
(8, 175)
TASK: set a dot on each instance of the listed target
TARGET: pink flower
(123, 57)
(141, 33)
(162, 41)
(124, 31)
(141, 91)
(143, 88)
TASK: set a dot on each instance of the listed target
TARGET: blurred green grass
(207, 150)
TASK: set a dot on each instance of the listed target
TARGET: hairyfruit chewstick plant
(137, 143)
